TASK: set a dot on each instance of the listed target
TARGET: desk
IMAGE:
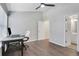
(11, 39)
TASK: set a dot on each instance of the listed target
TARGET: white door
(67, 31)
(43, 30)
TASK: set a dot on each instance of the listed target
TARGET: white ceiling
(25, 7)
(31, 6)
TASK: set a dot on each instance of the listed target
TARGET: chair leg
(25, 46)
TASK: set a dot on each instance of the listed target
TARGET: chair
(26, 38)
(12, 43)
(9, 31)
(27, 35)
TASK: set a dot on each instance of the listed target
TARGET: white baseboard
(57, 43)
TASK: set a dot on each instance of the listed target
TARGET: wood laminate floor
(44, 48)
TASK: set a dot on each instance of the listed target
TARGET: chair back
(9, 31)
(27, 34)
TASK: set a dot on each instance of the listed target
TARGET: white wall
(56, 17)
(20, 22)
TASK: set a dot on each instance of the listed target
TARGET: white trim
(57, 43)
(0, 44)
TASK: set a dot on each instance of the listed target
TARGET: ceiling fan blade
(38, 7)
(52, 5)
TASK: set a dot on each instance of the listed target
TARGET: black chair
(9, 31)
(13, 43)
(26, 36)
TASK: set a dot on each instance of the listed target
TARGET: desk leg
(22, 48)
(3, 48)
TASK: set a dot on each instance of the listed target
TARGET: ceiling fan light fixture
(42, 5)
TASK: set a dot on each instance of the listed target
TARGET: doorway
(72, 31)
(43, 30)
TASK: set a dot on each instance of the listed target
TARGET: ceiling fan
(43, 5)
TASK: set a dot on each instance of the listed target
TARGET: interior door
(43, 30)
(67, 31)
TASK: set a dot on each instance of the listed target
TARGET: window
(3, 22)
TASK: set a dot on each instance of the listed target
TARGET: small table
(11, 39)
